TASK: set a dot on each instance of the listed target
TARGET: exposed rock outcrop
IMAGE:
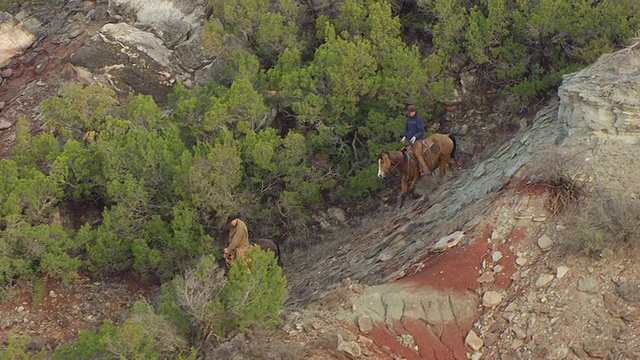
(14, 38)
(129, 60)
(604, 98)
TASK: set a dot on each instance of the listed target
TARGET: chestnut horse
(265, 244)
(408, 168)
(436, 150)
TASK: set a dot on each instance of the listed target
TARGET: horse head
(408, 169)
(384, 164)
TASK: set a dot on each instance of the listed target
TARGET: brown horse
(437, 149)
(265, 244)
(408, 168)
(268, 245)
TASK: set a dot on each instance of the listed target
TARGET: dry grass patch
(559, 172)
(605, 221)
(564, 193)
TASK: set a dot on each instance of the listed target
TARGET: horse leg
(403, 194)
(424, 168)
(452, 164)
(401, 200)
(443, 166)
(412, 187)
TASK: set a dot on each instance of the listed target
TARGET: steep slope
(481, 266)
(478, 267)
(422, 265)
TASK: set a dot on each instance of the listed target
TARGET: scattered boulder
(519, 332)
(4, 123)
(190, 52)
(365, 324)
(496, 256)
(448, 241)
(365, 341)
(545, 243)
(351, 349)
(544, 280)
(561, 271)
(171, 21)
(589, 285)
(491, 298)
(628, 290)
(486, 277)
(473, 340)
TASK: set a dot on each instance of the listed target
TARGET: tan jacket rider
(238, 237)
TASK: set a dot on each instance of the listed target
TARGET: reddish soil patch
(503, 278)
(382, 335)
(445, 345)
(454, 269)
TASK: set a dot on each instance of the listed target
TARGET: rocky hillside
(485, 265)
(479, 267)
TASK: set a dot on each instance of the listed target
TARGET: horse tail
(455, 145)
(278, 254)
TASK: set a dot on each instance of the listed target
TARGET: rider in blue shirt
(414, 129)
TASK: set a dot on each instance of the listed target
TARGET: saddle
(236, 253)
(426, 146)
(409, 156)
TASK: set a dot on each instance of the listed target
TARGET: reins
(406, 157)
(394, 165)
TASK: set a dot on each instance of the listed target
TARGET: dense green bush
(194, 294)
(252, 293)
(28, 250)
(526, 46)
(78, 110)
